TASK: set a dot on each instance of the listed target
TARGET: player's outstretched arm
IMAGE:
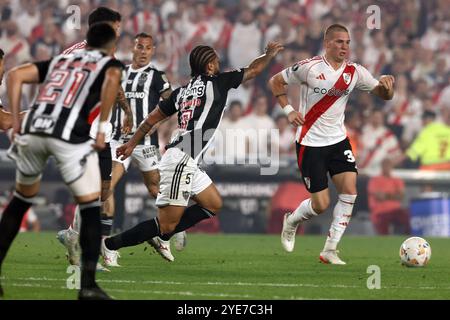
(125, 150)
(278, 87)
(27, 73)
(385, 88)
(110, 85)
(258, 65)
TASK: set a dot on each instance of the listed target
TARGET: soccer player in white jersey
(322, 145)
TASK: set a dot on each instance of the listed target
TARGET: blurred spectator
(286, 136)
(29, 18)
(30, 221)
(14, 44)
(385, 201)
(124, 47)
(413, 44)
(436, 38)
(258, 125)
(377, 143)
(47, 45)
(431, 148)
(244, 35)
(353, 127)
(404, 112)
(231, 145)
(377, 54)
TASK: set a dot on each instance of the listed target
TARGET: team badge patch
(347, 77)
(307, 182)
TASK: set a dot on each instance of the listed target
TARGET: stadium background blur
(413, 44)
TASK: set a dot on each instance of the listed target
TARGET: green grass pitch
(237, 267)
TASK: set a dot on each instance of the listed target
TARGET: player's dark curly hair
(198, 59)
(2, 54)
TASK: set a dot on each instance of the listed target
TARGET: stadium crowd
(413, 44)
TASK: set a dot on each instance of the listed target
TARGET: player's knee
(321, 205)
(216, 205)
(167, 226)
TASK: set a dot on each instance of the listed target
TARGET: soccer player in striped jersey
(322, 145)
(75, 88)
(199, 106)
(143, 85)
(70, 237)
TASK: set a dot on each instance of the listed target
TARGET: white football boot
(69, 239)
(110, 257)
(330, 257)
(180, 240)
(162, 247)
(288, 234)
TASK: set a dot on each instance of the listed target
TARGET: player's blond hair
(333, 28)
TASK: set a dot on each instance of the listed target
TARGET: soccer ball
(415, 252)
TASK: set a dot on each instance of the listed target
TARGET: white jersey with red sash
(324, 93)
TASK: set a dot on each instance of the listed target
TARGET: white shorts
(146, 158)
(75, 162)
(180, 179)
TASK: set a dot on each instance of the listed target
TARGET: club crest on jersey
(143, 78)
(347, 77)
(307, 182)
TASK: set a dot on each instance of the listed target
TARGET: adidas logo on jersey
(320, 77)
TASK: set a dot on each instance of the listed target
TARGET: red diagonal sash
(326, 102)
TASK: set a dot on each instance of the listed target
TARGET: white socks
(341, 217)
(302, 213)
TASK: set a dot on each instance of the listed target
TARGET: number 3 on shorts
(349, 154)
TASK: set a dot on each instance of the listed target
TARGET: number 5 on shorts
(188, 178)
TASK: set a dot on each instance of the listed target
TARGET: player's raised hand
(99, 144)
(124, 151)
(273, 48)
(296, 119)
(387, 81)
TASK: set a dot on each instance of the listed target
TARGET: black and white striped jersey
(143, 88)
(69, 98)
(200, 105)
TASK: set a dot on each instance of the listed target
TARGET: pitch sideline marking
(247, 284)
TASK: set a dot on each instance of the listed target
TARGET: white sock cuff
(348, 198)
(311, 210)
(23, 198)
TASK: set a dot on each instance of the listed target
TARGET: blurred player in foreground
(75, 88)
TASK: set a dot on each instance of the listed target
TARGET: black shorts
(315, 162)
(105, 163)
